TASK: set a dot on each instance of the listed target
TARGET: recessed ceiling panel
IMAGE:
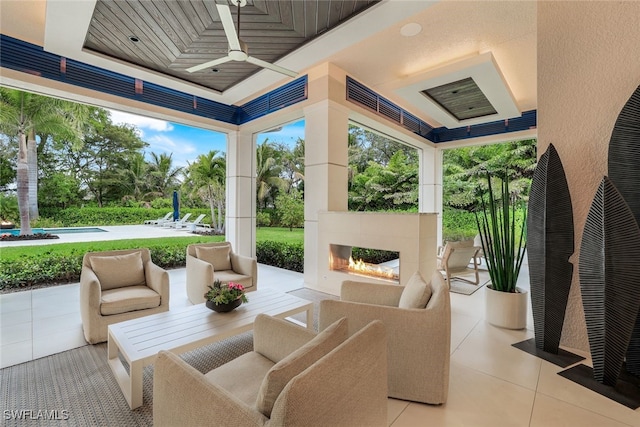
(175, 35)
(463, 99)
(466, 92)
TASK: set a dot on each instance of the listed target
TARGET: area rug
(77, 388)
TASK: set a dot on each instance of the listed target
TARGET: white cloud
(182, 151)
(141, 122)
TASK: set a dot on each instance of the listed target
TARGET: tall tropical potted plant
(503, 238)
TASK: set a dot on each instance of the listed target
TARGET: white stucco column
(241, 190)
(326, 178)
(430, 192)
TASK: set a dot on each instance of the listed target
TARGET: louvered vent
(362, 95)
(281, 97)
(28, 58)
(159, 95)
(527, 120)
(84, 75)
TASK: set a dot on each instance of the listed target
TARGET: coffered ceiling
(169, 36)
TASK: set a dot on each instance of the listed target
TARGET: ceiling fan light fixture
(411, 29)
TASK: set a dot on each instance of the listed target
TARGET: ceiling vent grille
(362, 95)
(275, 100)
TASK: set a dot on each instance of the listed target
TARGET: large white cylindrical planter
(506, 309)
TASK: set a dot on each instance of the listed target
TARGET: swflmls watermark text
(31, 414)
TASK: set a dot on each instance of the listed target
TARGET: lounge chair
(159, 220)
(454, 260)
(175, 224)
(195, 223)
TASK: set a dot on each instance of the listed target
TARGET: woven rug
(79, 385)
(461, 287)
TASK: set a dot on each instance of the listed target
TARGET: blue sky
(186, 142)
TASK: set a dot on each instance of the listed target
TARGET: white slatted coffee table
(181, 330)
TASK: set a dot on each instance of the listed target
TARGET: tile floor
(491, 383)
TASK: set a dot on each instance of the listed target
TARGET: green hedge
(289, 256)
(63, 264)
(90, 216)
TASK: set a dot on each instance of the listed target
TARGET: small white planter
(505, 309)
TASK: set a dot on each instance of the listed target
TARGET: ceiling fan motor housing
(239, 55)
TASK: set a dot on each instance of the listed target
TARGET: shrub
(373, 256)
(289, 256)
(263, 219)
(92, 216)
(63, 263)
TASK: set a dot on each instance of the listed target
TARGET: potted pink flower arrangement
(225, 297)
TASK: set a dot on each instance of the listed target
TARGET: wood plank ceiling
(175, 35)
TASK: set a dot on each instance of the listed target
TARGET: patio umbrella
(176, 206)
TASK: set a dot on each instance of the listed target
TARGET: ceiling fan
(237, 48)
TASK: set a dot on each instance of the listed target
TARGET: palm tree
(23, 114)
(267, 173)
(206, 176)
(165, 176)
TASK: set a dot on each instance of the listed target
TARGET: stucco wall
(588, 67)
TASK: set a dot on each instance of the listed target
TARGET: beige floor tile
(15, 301)
(560, 388)
(46, 327)
(11, 334)
(15, 317)
(475, 399)
(461, 327)
(488, 349)
(15, 353)
(550, 412)
(61, 341)
(394, 409)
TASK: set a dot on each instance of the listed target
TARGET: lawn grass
(277, 234)
(37, 251)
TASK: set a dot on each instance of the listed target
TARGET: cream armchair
(119, 285)
(207, 262)
(454, 260)
(419, 338)
(293, 377)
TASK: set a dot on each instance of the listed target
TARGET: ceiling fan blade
(271, 66)
(209, 64)
(229, 27)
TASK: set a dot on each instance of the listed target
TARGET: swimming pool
(71, 230)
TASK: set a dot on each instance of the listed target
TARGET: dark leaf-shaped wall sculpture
(609, 280)
(624, 172)
(550, 242)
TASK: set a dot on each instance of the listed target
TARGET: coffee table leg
(130, 382)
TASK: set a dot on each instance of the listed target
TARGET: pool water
(16, 231)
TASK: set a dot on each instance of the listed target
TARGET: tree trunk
(213, 215)
(22, 178)
(32, 162)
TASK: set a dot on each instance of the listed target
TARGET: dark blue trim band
(28, 58)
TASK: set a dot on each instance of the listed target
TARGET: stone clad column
(241, 190)
(326, 177)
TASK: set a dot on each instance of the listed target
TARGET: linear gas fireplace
(413, 237)
(346, 259)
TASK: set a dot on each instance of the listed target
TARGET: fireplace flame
(374, 270)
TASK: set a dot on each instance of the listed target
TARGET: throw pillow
(218, 256)
(416, 293)
(116, 271)
(284, 371)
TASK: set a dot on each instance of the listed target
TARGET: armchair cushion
(416, 293)
(283, 372)
(218, 256)
(116, 271)
(243, 377)
(128, 298)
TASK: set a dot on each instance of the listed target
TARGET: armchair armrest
(199, 277)
(183, 396)
(275, 338)
(371, 293)
(245, 265)
(157, 278)
(90, 290)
